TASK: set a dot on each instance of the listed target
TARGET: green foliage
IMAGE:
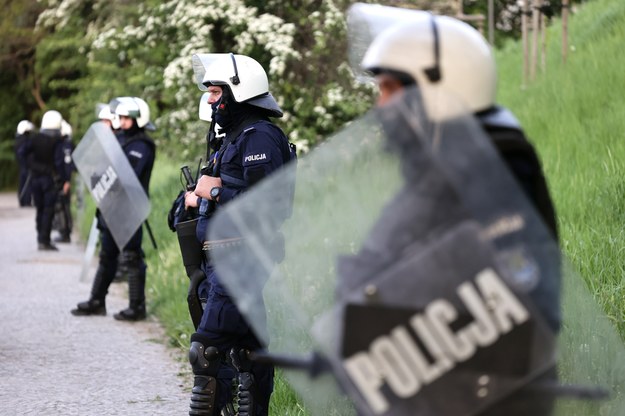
(16, 59)
(574, 113)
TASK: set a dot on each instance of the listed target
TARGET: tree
(19, 96)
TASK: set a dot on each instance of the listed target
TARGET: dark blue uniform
(256, 150)
(63, 213)
(140, 151)
(44, 155)
(24, 192)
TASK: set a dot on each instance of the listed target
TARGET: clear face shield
(125, 106)
(364, 23)
(220, 65)
(205, 112)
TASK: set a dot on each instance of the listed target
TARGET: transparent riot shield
(417, 276)
(112, 182)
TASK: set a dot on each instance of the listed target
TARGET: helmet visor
(201, 64)
(364, 23)
(125, 106)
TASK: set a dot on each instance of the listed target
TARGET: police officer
(253, 147)
(139, 148)
(63, 213)
(403, 55)
(105, 115)
(24, 131)
(44, 155)
(442, 54)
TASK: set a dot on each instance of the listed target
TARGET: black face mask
(227, 112)
(134, 129)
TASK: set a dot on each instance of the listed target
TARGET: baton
(147, 226)
(26, 183)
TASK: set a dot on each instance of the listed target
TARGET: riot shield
(422, 276)
(112, 182)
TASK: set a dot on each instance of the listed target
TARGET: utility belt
(225, 243)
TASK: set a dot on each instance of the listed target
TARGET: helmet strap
(235, 79)
(434, 73)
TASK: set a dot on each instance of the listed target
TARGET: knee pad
(131, 259)
(205, 362)
(204, 359)
(247, 391)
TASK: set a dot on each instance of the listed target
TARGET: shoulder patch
(135, 154)
(256, 157)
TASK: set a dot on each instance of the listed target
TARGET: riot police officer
(253, 147)
(139, 148)
(24, 131)
(44, 157)
(442, 55)
(406, 55)
(63, 213)
(105, 115)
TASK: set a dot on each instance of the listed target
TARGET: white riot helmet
(24, 127)
(133, 107)
(245, 78)
(66, 129)
(51, 120)
(441, 54)
(104, 113)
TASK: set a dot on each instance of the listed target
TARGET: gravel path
(53, 363)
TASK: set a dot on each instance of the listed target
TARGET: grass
(574, 113)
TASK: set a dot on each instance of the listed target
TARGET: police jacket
(520, 157)
(259, 149)
(250, 152)
(68, 147)
(44, 155)
(140, 150)
(20, 144)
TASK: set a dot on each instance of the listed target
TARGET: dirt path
(52, 363)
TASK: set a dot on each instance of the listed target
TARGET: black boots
(90, 307)
(136, 288)
(136, 312)
(95, 305)
(103, 278)
(47, 247)
(63, 239)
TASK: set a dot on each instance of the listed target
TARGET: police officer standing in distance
(25, 130)
(44, 157)
(112, 120)
(139, 148)
(63, 212)
(253, 147)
